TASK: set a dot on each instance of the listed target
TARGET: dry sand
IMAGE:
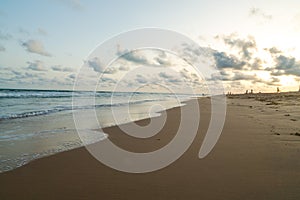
(257, 157)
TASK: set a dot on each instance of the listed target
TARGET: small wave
(16, 94)
(69, 108)
(39, 95)
(89, 137)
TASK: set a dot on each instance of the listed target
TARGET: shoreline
(30, 137)
(249, 161)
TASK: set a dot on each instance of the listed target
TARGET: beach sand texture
(256, 157)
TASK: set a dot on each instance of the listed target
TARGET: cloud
(256, 64)
(284, 62)
(2, 68)
(29, 75)
(223, 75)
(72, 76)
(234, 76)
(246, 50)
(36, 76)
(2, 48)
(165, 75)
(245, 46)
(274, 81)
(133, 56)
(59, 68)
(190, 77)
(185, 73)
(257, 12)
(18, 75)
(56, 68)
(227, 61)
(286, 66)
(36, 66)
(16, 72)
(107, 80)
(192, 53)
(160, 59)
(153, 79)
(273, 50)
(34, 46)
(277, 72)
(224, 61)
(141, 79)
(170, 77)
(243, 58)
(98, 66)
(110, 70)
(124, 68)
(238, 76)
(236, 67)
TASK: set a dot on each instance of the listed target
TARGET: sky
(253, 44)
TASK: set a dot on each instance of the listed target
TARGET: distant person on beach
(251, 92)
(278, 90)
(246, 91)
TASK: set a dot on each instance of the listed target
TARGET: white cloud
(72, 76)
(286, 66)
(141, 79)
(162, 59)
(133, 56)
(59, 68)
(170, 78)
(245, 46)
(35, 46)
(36, 66)
(141, 57)
(98, 66)
(165, 75)
(227, 61)
(124, 68)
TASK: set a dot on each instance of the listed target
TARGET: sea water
(38, 123)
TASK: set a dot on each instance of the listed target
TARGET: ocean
(38, 123)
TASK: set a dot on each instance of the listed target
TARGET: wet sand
(256, 157)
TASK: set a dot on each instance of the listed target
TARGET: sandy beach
(257, 157)
(150, 100)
